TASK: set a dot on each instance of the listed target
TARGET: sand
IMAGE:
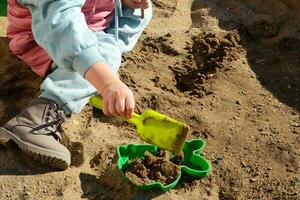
(229, 69)
(153, 168)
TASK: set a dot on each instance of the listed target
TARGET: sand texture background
(230, 69)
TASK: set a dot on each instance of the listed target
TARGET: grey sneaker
(34, 130)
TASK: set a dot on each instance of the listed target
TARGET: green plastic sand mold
(193, 164)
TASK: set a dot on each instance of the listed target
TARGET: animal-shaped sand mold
(148, 167)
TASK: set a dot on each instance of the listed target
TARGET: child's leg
(38, 60)
(23, 45)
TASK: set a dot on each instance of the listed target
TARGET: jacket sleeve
(60, 28)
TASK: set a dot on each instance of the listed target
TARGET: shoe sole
(42, 155)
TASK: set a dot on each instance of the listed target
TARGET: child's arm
(117, 97)
(60, 28)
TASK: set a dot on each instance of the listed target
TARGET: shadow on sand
(18, 86)
(112, 186)
(18, 83)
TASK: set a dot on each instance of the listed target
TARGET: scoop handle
(97, 102)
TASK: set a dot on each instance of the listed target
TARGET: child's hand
(117, 97)
(135, 4)
(118, 100)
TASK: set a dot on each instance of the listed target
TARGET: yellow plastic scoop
(155, 128)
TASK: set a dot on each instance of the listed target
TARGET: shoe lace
(53, 118)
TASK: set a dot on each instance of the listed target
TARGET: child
(77, 47)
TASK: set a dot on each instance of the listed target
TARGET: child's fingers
(111, 107)
(105, 107)
(129, 107)
(120, 106)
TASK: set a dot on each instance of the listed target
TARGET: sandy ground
(228, 68)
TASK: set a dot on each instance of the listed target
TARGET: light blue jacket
(60, 28)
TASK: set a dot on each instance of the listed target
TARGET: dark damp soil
(154, 168)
